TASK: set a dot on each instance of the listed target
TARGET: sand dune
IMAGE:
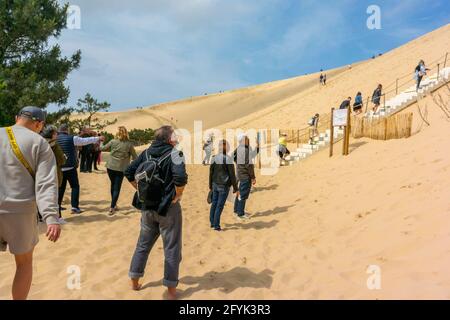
(216, 109)
(290, 103)
(315, 227)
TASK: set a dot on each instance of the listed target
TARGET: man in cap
(69, 144)
(29, 183)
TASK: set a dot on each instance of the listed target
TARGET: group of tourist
(39, 160)
(323, 79)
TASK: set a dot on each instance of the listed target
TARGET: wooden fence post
(367, 104)
(385, 128)
(349, 128)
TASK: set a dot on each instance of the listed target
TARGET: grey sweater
(19, 193)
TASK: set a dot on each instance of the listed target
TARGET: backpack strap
(164, 157)
(16, 149)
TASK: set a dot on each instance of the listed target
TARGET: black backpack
(150, 184)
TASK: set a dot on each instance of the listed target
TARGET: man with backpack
(69, 144)
(29, 183)
(159, 176)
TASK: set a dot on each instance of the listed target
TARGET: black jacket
(221, 172)
(376, 96)
(244, 156)
(345, 104)
(173, 172)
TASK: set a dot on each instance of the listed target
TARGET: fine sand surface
(315, 227)
(314, 230)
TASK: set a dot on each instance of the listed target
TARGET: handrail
(325, 119)
(408, 74)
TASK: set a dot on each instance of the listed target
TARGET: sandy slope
(314, 230)
(216, 109)
(315, 226)
(290, 103)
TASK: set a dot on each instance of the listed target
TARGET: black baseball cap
(33, 113)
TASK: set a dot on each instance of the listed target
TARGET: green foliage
(141, 137)
(31, 71)
(59, 117)
(108, 136)
(91, 107)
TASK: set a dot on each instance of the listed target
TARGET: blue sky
(138, 53)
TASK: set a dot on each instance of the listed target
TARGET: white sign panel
(340, 117)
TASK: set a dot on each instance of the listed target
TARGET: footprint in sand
(411, 186)
(362, 215)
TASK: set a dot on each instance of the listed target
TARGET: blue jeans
(169, 227)
(245, 186)
(219, 197)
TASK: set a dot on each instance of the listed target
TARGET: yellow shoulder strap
(17, 152)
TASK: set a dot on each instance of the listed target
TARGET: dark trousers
(219, 197)
(170, 229)
(419, 80)
(86, 159)
(245, 186)
(70, 176)
(95, 156)
(116, 178)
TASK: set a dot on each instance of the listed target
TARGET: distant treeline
(139, 137)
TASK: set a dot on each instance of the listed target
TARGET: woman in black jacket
(221, 177)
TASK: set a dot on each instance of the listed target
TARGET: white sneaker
(62, 221)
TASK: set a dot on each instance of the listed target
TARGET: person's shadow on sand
(226, 282)
(272, 212)
(266, 188)
(257, 225)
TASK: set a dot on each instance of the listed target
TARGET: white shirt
(80, 142)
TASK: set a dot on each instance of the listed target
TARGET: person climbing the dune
(283, 150)
(313, 128)
(420, 72)
(346, 103)
(208, 148)
(358, 105)
(376, 97)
